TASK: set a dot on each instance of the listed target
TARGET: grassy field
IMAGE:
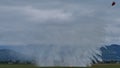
(17, 66)
(32, 66)
(106, 66)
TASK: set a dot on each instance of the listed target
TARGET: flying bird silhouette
(113, 3)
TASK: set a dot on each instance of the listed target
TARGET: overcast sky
(36, 21)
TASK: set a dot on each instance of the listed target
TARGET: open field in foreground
(32, 66)
(106, 66)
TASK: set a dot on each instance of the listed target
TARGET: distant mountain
(111, 52)
(11, 55)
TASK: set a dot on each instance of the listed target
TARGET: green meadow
(33, 66)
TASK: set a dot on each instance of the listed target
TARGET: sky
(24, 22)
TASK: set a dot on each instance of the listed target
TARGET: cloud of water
(70, 47)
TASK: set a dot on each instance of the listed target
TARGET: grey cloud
(75, 12)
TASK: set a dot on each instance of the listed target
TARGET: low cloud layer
(30, 22)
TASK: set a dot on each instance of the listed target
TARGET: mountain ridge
(111, 52)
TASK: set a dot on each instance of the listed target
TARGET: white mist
(74, 46)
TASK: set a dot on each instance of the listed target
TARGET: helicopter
(113, 3)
